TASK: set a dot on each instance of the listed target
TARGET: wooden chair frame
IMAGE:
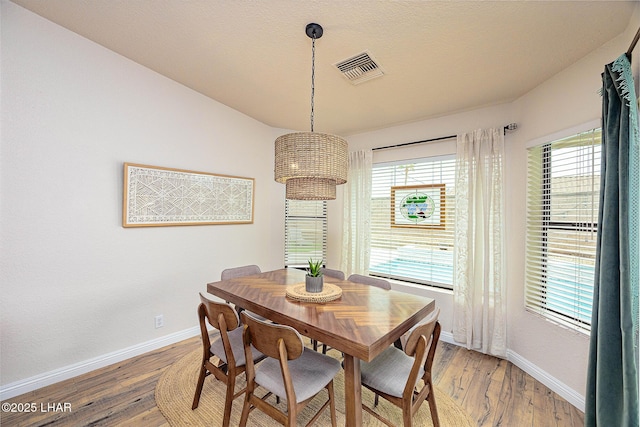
(222, 317)
(412, 399)
(284, 344)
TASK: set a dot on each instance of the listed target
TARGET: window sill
(414, 288)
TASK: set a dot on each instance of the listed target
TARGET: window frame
(440, 228)
(547, 225)
(289, 242)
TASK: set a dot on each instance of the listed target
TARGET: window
(563, 189)
(305, 232)
(412, 220)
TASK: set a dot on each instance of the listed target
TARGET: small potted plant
(313, 279)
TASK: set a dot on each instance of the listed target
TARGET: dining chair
(372, 281)
(235, 272)
(394, 373)
(245, 270)
(336, 274)
(228, 347)
(289, 371)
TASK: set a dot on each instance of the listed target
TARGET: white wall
(75, 284)
(553, 354)
(78, 285)
(567, 100)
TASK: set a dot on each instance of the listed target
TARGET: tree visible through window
(563, 189)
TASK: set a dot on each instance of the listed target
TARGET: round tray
(329, 293)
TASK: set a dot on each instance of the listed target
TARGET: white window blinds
(562, 212)
(305, 232)
(412, 220)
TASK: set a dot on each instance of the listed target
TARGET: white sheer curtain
(479, 285)
(356, 229)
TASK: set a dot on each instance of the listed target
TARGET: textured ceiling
(439, 57)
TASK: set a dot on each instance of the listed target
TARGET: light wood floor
(493, 391)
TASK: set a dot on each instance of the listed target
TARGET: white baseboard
(566, 392)
(38, 381)
(24, 386)
(447, 337)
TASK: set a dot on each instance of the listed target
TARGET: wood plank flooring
(493, 391)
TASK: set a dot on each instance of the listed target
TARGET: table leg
(352, 391)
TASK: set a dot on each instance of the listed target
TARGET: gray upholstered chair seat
(237, 346)
(246, 270)
(257, 316)
(388, 372)
(310, 373)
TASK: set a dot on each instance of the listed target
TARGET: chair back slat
(424, 328)
(265, 337)
(213, 310)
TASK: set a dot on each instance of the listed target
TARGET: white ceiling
(439, 57)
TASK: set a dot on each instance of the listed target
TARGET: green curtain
(612, 377)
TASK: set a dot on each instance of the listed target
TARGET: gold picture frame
(155, 196)
(418, 206)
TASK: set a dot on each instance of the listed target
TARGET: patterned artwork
(155, 196)
(418, 206)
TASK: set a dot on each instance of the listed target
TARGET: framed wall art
(156, 196)
(421, 206)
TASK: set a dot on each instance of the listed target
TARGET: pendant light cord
(313, 75)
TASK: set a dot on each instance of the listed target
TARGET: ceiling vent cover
(360, 68)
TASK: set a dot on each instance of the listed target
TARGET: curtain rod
(510, 126)
(633, 44)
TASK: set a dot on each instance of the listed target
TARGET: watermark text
(36, 407)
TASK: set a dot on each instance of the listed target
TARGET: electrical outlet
(159, 321)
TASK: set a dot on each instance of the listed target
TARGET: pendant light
(311, 164)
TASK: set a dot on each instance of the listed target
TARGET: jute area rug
(175, 389)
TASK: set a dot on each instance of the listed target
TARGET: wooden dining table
(363, 322)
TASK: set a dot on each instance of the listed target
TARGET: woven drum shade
(311, 164)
